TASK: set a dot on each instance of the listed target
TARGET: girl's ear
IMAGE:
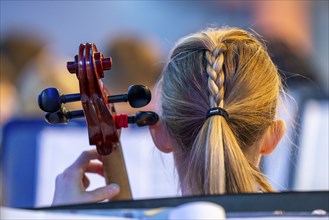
(161, 137)
(272, 137)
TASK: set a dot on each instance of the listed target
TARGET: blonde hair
(227, 68)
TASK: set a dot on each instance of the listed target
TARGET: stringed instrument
(103, 122)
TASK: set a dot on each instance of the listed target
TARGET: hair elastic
(217, 111)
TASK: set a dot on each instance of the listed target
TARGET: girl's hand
(71, 185)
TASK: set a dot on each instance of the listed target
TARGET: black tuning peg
(62, 116)
(50, 99)
(143, 118)
(138, 96)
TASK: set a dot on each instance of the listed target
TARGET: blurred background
(39, 37)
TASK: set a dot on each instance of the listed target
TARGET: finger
(103, 193)
(85, 181)
(84, 158)
(94, 167)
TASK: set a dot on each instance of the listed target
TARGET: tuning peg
(138, 96)
(101, 64)
(50, 99)
(143, 118)
(62, 116)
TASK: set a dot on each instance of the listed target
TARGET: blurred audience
(16, 52)
(136, 60)
(286, 26)
(28, 66)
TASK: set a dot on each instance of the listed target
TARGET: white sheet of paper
(151, 173)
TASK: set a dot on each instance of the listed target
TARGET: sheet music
(151, 173)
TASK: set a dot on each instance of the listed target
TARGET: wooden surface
(89, 65)
(115, 172)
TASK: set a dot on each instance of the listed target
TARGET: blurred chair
(20, 160)
(312, 165)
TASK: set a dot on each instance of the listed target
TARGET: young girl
(219, 95)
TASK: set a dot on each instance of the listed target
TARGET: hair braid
(214, 147)
(216, 77)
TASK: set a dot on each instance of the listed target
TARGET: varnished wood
(115, 172)
(89, 67)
